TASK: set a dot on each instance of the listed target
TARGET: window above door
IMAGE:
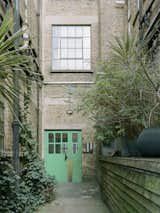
(71, 47)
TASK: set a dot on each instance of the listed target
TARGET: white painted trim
(120, 3)
(68, 82)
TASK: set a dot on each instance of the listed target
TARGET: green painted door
(63, 155)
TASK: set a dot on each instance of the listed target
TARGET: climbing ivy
(32, 187)
(13, 198)
(41, 186)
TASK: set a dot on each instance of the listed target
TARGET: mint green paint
(56, 163)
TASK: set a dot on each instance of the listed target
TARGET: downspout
(99, 30)
(140, 23)
(25, 27)
(15, 124)
(38, 84)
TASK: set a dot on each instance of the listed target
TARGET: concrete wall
(131, 184)
(107, 21)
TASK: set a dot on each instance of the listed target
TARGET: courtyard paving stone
(76, 198)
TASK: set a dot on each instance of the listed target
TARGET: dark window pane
(64, 148)
(75, 148)
(58, 148)
(64, 137)
(1, 142)
(51, 137)
(58, 137)
(50, 148)
(1, 128)
(75, 137)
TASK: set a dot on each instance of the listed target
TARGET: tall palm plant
(12, 57)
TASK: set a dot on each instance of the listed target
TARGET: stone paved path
(76, 198)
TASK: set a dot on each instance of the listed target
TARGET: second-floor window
(71, 48)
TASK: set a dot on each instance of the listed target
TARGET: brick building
(68, 39)
(28, 19)
(75, 38)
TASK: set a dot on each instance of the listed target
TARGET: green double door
(63, 155)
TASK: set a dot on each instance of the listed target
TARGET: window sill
(71, 71)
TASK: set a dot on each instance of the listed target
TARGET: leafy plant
(124, 94)
(12, 198)
(12, 58)
(41, 186)
(33, 187)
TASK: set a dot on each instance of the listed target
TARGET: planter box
(107, 149)
(121, 147)
(127, 147)
(149, 142)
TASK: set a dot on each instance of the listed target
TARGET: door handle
(66, 157)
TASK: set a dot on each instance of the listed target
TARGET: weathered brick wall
(29, 11)
(131, 184)
(106, 21)
(29, 14)
(112, 23)
(56, 85)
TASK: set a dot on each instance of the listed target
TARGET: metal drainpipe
(38, 86)
(38, 111)
(99, 29)
(15, 124)
(140, 22)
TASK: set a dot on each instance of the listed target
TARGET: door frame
(65, 130)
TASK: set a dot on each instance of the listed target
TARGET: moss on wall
(131, 184)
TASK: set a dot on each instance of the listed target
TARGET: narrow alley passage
(76, 198)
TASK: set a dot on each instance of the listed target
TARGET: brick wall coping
(146, 164)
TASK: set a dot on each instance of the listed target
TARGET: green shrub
(33, 187)
(41, 186)
(125, 97)
(14, 194)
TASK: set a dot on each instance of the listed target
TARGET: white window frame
(75, 58)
